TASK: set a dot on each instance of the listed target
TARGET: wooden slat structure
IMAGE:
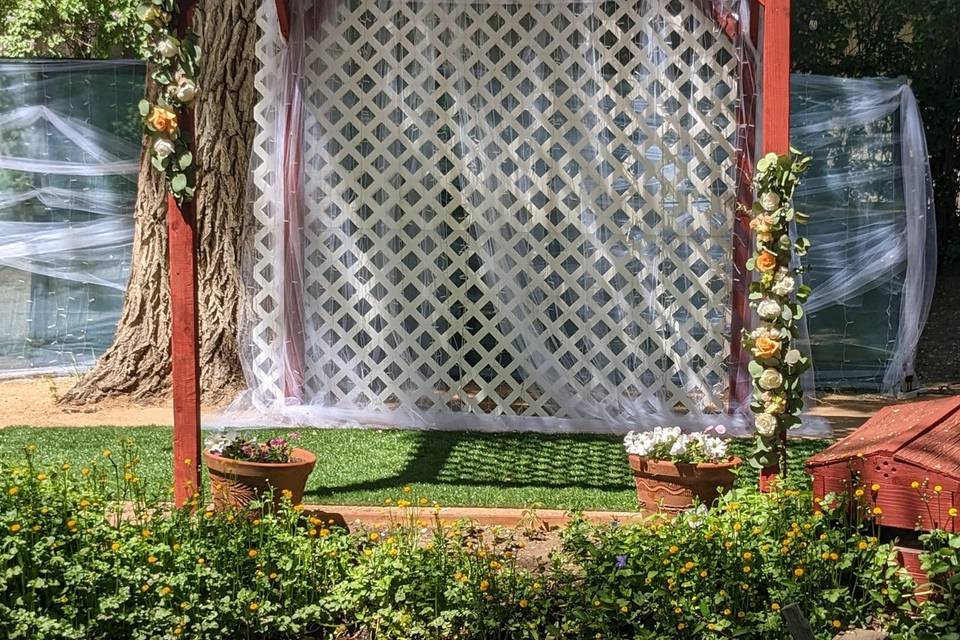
(901, 445)
(774, 15)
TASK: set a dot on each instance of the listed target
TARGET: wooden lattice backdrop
(512, 208)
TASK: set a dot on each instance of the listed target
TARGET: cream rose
(186, 90)
(163, 148)
(148, 12)
(766, 424)
(768, 309)
(168, 47)
(770, 379)
(793, 357)
(770, 201)
(775, 405)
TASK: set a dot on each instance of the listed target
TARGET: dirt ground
(33, 401)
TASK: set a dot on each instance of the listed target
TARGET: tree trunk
(138, 362)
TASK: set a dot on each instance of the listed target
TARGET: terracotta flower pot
(664, 486)
(235, 483)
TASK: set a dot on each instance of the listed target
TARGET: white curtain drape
(513, 215)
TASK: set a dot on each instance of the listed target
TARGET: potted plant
(671, 467)
(243, 469)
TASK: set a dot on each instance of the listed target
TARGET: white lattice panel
(519, 208)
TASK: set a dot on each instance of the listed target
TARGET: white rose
(770, 201)
(768, 309)
(185, 91)
(784, 286)
(770, 379)
(766, 424)
(168, 47)
(163, 148)
(793, 357)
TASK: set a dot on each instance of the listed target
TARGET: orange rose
(765, 347)
(766, 262)
(163, 120)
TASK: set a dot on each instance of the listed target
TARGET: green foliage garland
(174, 62)
(777, 365)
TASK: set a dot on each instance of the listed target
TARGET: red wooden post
(775, 98)
(739, 380)
(184, 331)
(293, 318)
(776, 76)
(184, 334)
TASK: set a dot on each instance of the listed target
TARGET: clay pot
(668, 487)
(234, 483)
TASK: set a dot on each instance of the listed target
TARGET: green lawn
(365, 467)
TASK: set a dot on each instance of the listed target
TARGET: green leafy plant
(90, 553)
(939, 618)
(777, 296)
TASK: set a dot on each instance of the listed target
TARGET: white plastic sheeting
(508, 215)
(869, 196)
(69, 148)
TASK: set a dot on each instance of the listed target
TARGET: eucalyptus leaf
(178, 183)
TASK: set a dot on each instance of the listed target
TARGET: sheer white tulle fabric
(501, 216)
(874, 254)
(68, 164)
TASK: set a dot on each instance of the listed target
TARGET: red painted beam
(739, 380)
(775, 100)
(184, 318)
(776, 76)
(283, 17)
(184, 348)
(293, 258)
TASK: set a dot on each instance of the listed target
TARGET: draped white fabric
(69, 148)
(873, 228)
(515, 215)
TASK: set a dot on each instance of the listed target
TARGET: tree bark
(137, 364)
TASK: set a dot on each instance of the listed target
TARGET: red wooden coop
(911, 454)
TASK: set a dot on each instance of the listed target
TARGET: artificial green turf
(365, 467)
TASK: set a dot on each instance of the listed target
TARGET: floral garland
(776, 366)
(174, 62)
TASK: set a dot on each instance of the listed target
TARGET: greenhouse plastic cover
(872, 264)
(69, 150)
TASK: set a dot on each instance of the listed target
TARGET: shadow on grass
(503, 460)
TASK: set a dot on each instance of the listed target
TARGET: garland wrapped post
(777, 365)
(173, 55)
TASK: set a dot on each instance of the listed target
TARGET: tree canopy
(70, 28)
(915, 39)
